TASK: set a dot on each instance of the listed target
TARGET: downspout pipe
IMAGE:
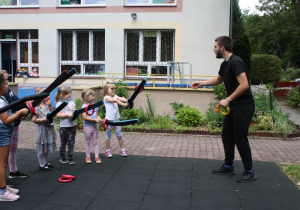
(230, 21)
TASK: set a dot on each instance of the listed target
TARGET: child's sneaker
(8, 196)
(64, 161)
(123, 153)
(12, 190)
(108, 154)
(71, 161)
(17, 174)
(88, 160)
(98, 160)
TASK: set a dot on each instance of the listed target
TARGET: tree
(238, 25)
(276, 31)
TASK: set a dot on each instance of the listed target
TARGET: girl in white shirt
(111, 102)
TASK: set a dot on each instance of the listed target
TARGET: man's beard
(218, 54)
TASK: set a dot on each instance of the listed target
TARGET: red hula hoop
(31, 108)
(86, 110)
(103, 124)
(137, 87)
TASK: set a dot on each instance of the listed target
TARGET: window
(150, 2)
(147, 52)
(83, 50)
(19, 3)
(82, 2)
(28, 53)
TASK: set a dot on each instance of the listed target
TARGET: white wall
(196, 27)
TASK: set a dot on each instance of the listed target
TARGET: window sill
(80, 6)
(19, 7)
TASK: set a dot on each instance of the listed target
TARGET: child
(6, 130)
(90, 129)
(46, 136)
(67, 130)
(111, 101)
(14, 172)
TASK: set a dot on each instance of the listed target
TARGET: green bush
(213, 119)
(294, 97)
(189, 116)
(129, 114)
(265, 122)
(289, 75)
(265, 69)
(220, 91)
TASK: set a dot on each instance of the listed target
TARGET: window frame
(30, 65)
(19, 4)
(147, 64)
(74, 61)
(150, 4)
(82, 4)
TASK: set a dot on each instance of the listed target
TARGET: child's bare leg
(121, 143)
(107, 144)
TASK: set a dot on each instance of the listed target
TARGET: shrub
(189, 116)
(220, 91)
(213, 119)
(176, 106)
(265, 122)
(129, 114)
(265, 69)
(294, 97)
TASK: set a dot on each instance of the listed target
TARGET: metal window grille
(83, 50)
(83, 46)
(133, 46)
(67, 46)
(167, 47)
(147, 52)
(99, 45)
(150, 45)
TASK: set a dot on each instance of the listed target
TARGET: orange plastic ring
(86, 110)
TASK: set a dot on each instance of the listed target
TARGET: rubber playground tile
(134, 167)
(166, 202)
(100, 203)
(215, 198)
(121, 192)
(39, 186)
(170, 176)
(55, 206)
(131, 179)
(169, 188)
(263, 205)
(69, 197)
(175, 164)
(213, 183)
(85, 182)
(28, 200)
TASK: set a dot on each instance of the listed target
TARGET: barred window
(83, 50)
(147, 51)
(19, 3)
(82, 2)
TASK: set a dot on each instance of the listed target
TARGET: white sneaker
(12, 190)
(108, 154)
(8, 196)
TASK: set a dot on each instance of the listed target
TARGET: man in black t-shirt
(240, 101)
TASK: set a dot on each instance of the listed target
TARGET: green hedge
(265, 69)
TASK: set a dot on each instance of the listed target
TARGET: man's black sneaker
(64, 161)
(18, 174)
(71, 161)
(224, 169)
(247, 177)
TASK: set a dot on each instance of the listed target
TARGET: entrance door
(8, 58)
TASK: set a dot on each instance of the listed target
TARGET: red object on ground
(283, 92)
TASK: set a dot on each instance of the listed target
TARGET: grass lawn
(293, 172)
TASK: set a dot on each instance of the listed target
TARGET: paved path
(183, 146)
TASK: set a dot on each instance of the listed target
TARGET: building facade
(126, 38)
